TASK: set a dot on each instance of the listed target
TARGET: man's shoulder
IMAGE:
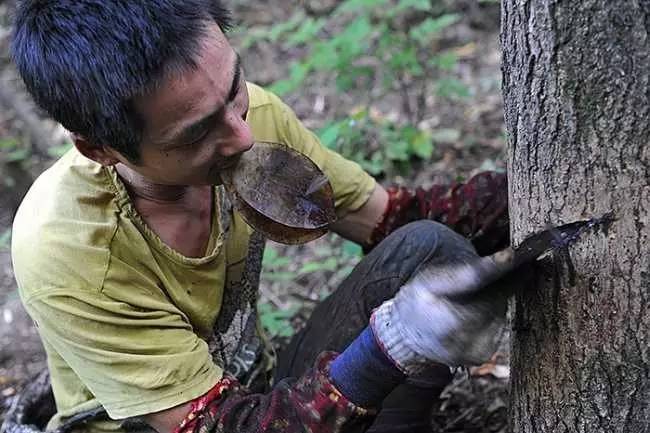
(269, 118)
(72, 192)
(65, 222)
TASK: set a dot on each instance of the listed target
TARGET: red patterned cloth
(477, 209)
(309, 404)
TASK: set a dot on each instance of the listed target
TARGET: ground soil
(477, 400)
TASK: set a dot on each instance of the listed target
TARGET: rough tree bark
(577, 101)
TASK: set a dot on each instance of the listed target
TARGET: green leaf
(270, 254)
(297, 74)
(307, 31)
(323, 56)
(275, 321)
(14, 153)
(406, 60)
(359, 5)
(330, 134)
(280, 276)
(375, 165)
(328, 265)
(18, 155)
(422, 146)
(59, 151)
(355, 35)
(427, 29)
(282, 87)
(452, 88)
(278, 30)
(272, 260)
(398, 150)
(351, 78)
(360, 115)
(445, 61)
(352, 249)
(8, 143)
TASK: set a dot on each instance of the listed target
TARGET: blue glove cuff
(363, 373)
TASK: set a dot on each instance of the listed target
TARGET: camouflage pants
(332, 326)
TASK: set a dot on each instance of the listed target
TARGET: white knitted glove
(445, 314)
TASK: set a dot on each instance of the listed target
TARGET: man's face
(194, 122)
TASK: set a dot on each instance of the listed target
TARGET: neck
(143, 188)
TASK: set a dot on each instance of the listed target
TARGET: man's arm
(325, 399)
(359, 225)
(477, 209)
(167, 420)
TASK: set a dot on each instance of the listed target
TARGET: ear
(98, 153)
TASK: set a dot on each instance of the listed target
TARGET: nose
(240, 139)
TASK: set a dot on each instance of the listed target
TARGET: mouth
(229, 163)
(225, 165)
(280, 192)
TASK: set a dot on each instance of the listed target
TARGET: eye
(198, 138)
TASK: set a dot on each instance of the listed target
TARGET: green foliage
(372, 32)
(59, 151)
(365, 42)
(279, 268)
(334, 260)
(276, 267)
(352, 250)
(378, 145)
(11, 150)
(275, 321)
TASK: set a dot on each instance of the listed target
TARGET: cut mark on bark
(562, 254)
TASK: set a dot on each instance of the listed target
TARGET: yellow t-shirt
(127, 322)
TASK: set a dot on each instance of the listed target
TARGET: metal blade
(555, 237)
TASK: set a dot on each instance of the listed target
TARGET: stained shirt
(128, 322)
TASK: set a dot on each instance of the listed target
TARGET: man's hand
(477, 209)
(443, 313)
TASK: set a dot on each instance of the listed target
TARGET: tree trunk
(577, 100)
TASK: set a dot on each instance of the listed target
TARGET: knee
(417, 242)
(428, 235)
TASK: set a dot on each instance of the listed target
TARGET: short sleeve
(134, 360)
(274, 120)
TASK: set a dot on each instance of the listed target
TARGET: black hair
(83, 61)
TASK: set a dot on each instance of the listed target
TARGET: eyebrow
(189, 131)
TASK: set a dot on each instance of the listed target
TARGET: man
(141, 277)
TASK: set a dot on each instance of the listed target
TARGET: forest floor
(477, 400)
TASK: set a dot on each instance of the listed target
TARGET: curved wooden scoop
(281, 193)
